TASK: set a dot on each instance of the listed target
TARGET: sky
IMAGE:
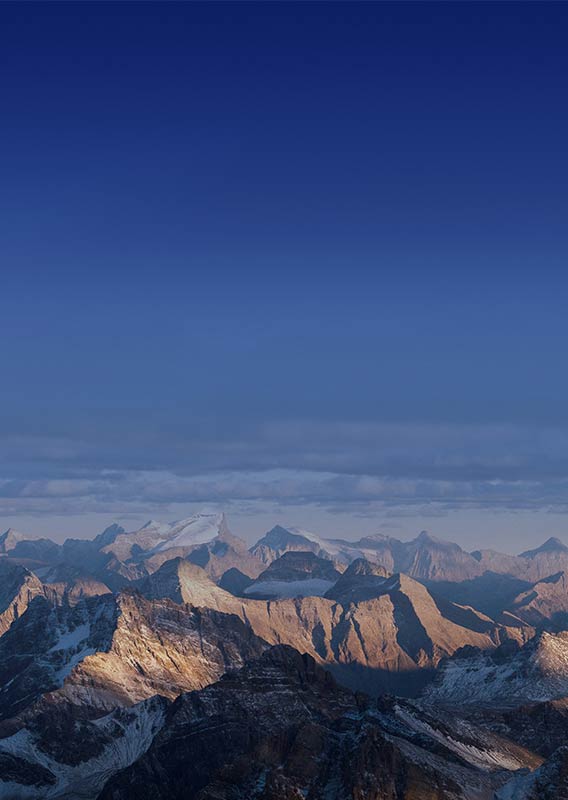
(305, 263)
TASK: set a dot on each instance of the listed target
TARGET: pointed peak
(551, 545)
(280, 534)
(114, 527)
(425, 537)
(11, 538)
(12, 533)
(361, 566)
(109, 534)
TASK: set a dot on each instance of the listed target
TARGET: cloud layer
(354, 467)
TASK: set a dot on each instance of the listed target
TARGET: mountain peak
(12, 533)
(10, 538)
(109, 534)
(425, 537)
(195, 530)
(551, 545)
(361, 566)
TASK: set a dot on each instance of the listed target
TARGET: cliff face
(18, 587)
(180, 631)
(378, 632)
(544, 603)
(115, 651)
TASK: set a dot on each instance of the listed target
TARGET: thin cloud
(341, 467)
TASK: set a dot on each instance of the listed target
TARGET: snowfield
(199, 529)
(312, 587)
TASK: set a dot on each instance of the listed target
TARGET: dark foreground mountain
(281, 728)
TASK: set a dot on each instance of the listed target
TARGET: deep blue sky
(235, 238)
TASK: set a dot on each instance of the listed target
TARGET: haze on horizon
(316, 287)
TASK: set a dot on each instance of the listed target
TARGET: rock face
(10, 539)
(376, 634)
(532, 565)
(490, 593)
(544, 603)
(430, 559)
(295, 574)
(388, 634)
(116, 651)
(18, 587)
(116, 557)
(289, 731)
(184, 582)
(424, 558)
(541, 727)
(361, 581)
(43, 646)
(508, 676)
(63, 754)
(549, 782)
(235, 581)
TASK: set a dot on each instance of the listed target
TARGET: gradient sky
(305, 263)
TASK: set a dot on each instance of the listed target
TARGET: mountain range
(336, 669)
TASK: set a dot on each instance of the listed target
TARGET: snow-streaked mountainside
(294, 733)
(538, 671)
(290, 732)
(325, 544)
(34, 766)
(548, 782)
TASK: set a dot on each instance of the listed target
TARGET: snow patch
(72, 638)
(312, 587)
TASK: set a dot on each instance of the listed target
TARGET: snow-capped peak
(198, 529)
